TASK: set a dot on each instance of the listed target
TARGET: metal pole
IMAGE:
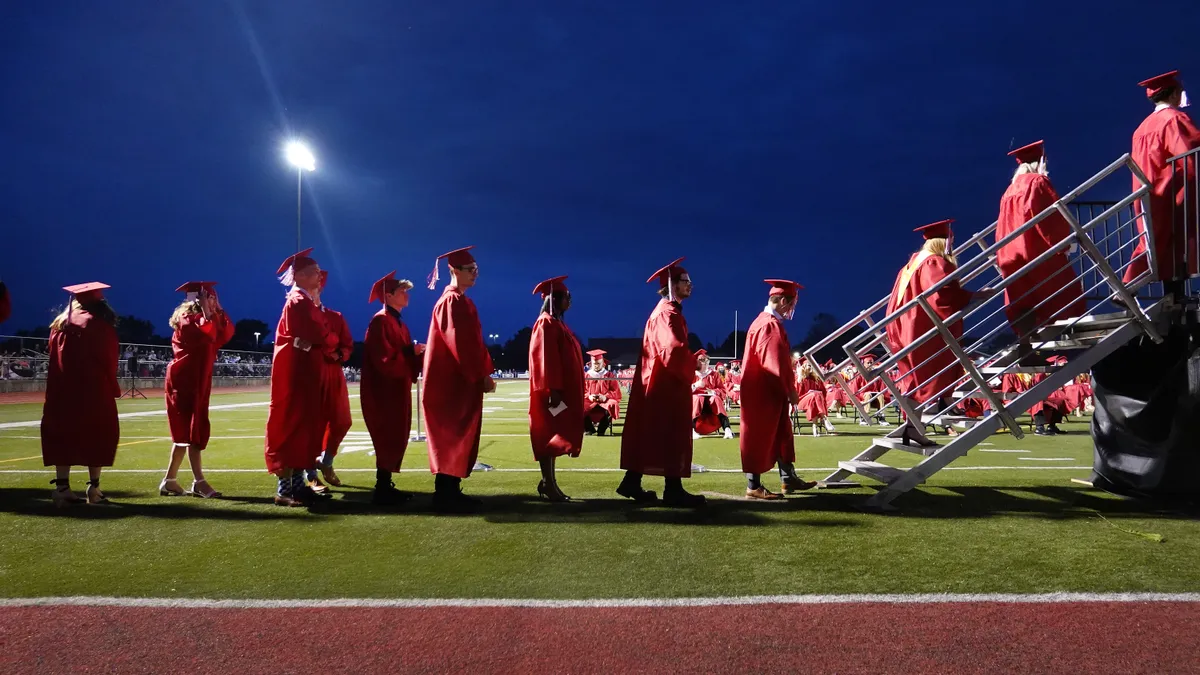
(735, 327)
(299, 176)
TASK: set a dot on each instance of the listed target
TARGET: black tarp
(1146, 427)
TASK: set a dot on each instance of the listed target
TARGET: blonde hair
(186, 307)
(61, 320)
(806, 369)
(940, 246)
(1038, 167)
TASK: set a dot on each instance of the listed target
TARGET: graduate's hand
(555, 397)
(794, 398)
(419, 349)
(985, 293)
(489, 385)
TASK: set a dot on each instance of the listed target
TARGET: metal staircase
(1099, 250)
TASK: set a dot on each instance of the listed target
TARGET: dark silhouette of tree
(694, 342)
(515, 353)
(243, 334)
(726, 348)
(141, 331)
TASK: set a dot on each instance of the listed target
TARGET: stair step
(898, 444)
(999, 370)
(873, 470)
(1094, 322)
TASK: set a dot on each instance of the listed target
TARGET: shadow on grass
(944, 502)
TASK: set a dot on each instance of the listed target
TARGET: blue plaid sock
(312, 474)
(297, 481)
(285, 487)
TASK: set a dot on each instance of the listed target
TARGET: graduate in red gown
(200, 327)
(733, 384)
(79, 419)
(556, 410)
(602, 395)
(708, 400)
(335, 397)
(768, 392)
(656, 438)
(391, 363)
(836, 397)
(1166, 133)
(5, 303)
(296, 417)
(813, 403)
(1051, 292)
(920, 368)
(458, 372)
(870, 392)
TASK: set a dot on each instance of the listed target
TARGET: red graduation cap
(672, 271)
(1029, 153)
(196, 286)
(1057, 360)
(868, 358)
(701, 353)
(385, 286)
(296, 262)
(938, 230)
(459, 257)
(1156, 84)
(735, 363)
(784, 287)
(87, 292)
(828, 364)
(596, 353)
(549, 286)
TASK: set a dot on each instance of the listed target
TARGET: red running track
(1102, 637)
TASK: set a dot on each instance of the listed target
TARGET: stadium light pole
(302, 158)
(256, 334)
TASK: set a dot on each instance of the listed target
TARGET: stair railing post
(900, 399)
(972, 372)
(1107, 271)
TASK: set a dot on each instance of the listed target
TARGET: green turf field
(1003, 519)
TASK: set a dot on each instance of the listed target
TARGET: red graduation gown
(295, 418)
(915, 322)
(733, 392)
(812, 398)
(456, 364)
(767, 384)
(1161, 136)
(335, 398)
(657, 437)
(605, 385)
(79, 419)
(390, 366)
(716, 402)
(1028, 195)
(189, 375)
(555, 362)
(5, 303)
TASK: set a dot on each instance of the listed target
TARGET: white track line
(601, 603)
(585, 470)
(148, 413)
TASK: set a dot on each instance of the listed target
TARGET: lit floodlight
(300, 156)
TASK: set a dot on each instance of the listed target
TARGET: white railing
(1098, 251)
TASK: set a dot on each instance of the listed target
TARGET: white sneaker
(728, 433)
(816, 432)
(829, 426)
(695, 436)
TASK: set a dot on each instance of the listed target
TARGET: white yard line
(582, 470)
(1046, 459)
(604, 603)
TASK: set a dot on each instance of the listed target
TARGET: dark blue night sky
(141, 143)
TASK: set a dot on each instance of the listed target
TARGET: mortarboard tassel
(432, 279)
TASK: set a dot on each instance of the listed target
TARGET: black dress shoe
(388, 495)
(636, 493)
(683, 498)
(455, 502)
(1043, 431)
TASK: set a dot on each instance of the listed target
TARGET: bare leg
(94, 495)
(196, 464)
(549, 485)
(62, 495)
(178, 450)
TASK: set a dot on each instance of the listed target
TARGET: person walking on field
(768, 391)
(657, 436)
(391, 363)
(555, 386)
(458, 372)
(79, 420)
(200, 327)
